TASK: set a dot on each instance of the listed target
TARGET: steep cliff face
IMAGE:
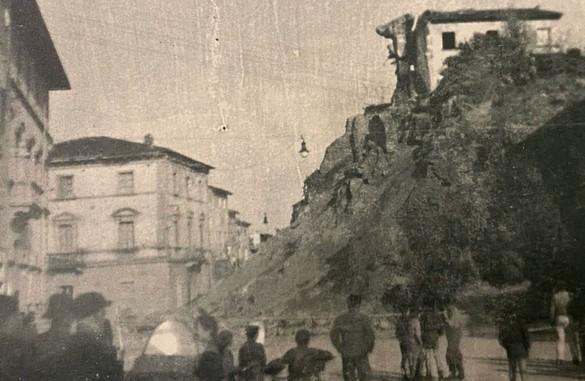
(481, 181)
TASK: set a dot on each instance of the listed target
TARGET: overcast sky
(271, 70)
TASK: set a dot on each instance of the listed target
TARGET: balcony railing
(64, 263)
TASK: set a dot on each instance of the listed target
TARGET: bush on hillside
(485, 64)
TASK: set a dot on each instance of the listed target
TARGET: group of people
(77, 346)
(217, 362)
(430, 341)
(79, 343)
(352, 335)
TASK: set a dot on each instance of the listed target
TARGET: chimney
(148, 140)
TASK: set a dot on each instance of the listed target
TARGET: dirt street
(484, 360)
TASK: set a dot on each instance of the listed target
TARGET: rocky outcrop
(467, 189)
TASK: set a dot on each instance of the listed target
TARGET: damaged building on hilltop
(420, 46)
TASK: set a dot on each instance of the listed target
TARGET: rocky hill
(482, 180)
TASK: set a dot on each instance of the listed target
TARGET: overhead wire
(188, 44)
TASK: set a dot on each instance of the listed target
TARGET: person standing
(217, 362)
(305, 363)
(413, 344)
(353, 337)
(95, 356)
(454, 333)
(563, 322)
(252, 357)
(432, 325)
(15, 346)
(513, 336)
(401, 333)
(52, 348)
(442, 344)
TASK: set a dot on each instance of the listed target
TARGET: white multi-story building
(129, 220)
(29, 69)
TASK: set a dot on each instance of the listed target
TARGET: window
(65, 189)
(189, 231)
(543, 37)
(18, 135)
(67, 290)
(66, 236)
(492, 33)
(126, 235)
(125, 219)
(38, 156)
(65, 228)
(126, 182)
(200, 189)
(175, 184)
(188, 186)
(449, 41)
(176, 233)
(201, 229)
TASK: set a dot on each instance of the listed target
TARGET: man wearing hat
(52, 361)
(252, 357)
(95, 355)
(354, 338)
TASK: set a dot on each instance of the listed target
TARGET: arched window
(125, 219)
(65, 227)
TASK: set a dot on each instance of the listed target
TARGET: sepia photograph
(292, 190)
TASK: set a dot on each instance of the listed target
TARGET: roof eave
(30, 12)
(452, 17)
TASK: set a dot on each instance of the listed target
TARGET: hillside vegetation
(483, 181)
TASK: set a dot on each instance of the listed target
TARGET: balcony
(65, 263)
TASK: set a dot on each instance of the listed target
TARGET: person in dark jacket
(92, 345)
(52, 360)
(305, 363)
(15, 345)
(354, 338)
(252, 357)
(217, 362)
(513, 336)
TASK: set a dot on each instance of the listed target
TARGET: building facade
(238, 243)
(419, 46)
(130, 220)
(218, 219)
(29, 69)
(446, 30)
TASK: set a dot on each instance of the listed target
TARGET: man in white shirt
(559, 314)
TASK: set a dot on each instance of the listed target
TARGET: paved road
(484, 360)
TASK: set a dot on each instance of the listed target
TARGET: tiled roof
(502, 14)
(106, 149)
